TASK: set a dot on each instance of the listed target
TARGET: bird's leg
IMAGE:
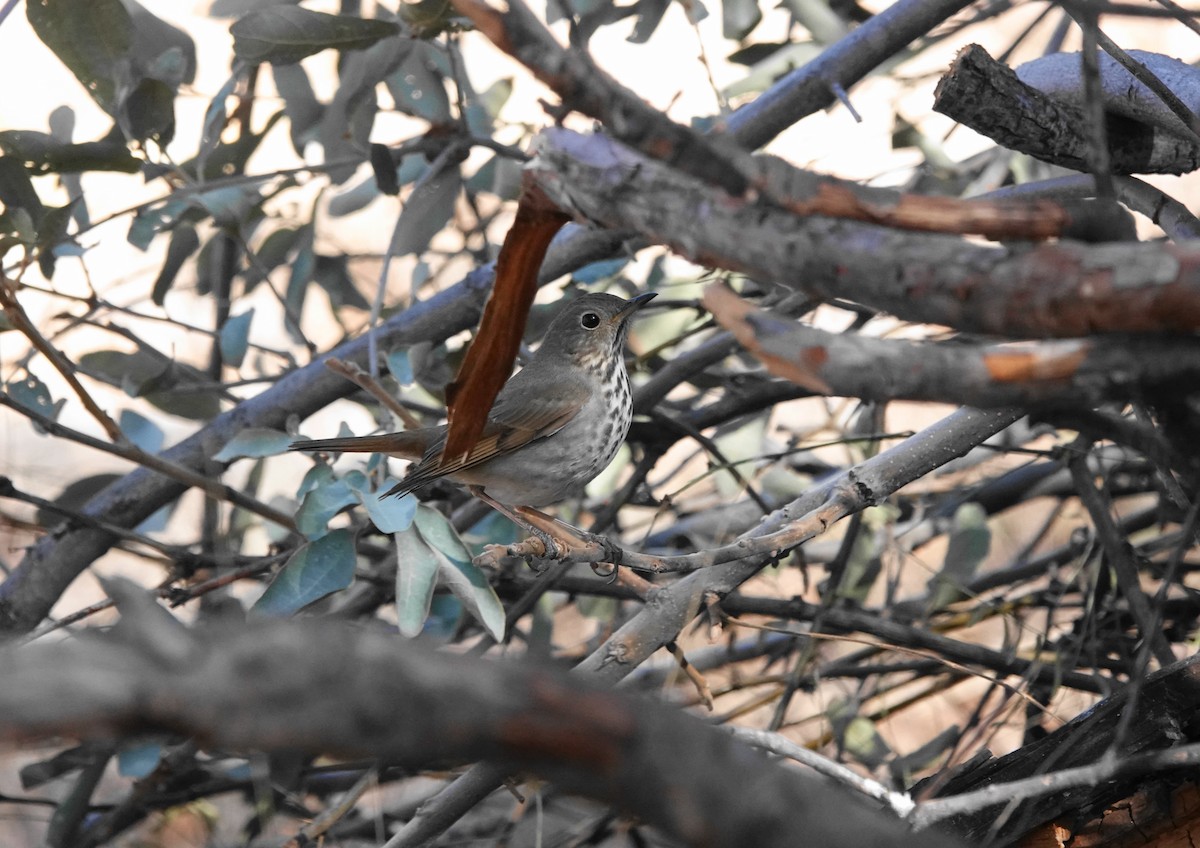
(555, 546)
(558, 538)
(573, 538)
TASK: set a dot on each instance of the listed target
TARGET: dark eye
(589, 320)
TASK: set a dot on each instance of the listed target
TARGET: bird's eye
(589, 320)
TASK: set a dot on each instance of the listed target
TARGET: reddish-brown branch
(1065, 289)
(493, 351)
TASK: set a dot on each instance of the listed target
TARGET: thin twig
(148, 460)
(17, 316)
(1099, 156)
(314, 831)
(1117, 552)
(372, 386)
(939, 809)
(898, 802)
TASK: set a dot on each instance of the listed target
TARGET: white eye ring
(589, 320)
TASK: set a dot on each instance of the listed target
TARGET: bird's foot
(535, 550)
(599, 552)
(550, 539)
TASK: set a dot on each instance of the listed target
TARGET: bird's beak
(633, 305)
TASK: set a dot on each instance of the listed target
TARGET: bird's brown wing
(527, 410)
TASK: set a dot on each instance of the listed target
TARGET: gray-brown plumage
(555, 425)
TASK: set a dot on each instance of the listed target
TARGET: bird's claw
(534, 549)
(543, 544)
(610, 576)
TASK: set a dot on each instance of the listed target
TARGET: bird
(555, 424)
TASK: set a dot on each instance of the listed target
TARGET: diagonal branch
(400, 701)
(17, 315)
(1056, 374)
(173, 470)
(668, 610)
(714, 160)
(1060, 289)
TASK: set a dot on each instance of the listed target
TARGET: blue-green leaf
(416, 578)
(148, 111)
(235, 338)
(597, 271)
(92, 39)
(649, 16)
(271, 253)
(460, 575)
(285, 34)
(41, 153)
(184, 242)
(969, 544)
(252, 443)
(445, 613)
(17, 195)
(390, 514)
(317, 569)
(426, 211)
(400, 366)
(358, 196)
(150, 221)
(229, 206)
(297, 289)
(321, 503)
(492, 529)
(493, 98)
(417, 86)
(300, 103)
(141, 431)
(332, 273)
(345, 130)
(318, 475)
(738, 17)
(32, 394)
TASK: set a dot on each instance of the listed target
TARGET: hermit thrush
(555, 425)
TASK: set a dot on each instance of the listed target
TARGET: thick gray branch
(990, 98)
(320, 687)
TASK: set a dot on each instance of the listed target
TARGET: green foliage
(323, 495)
(91, 39)
(137, 761)
(318, 568)
(171, 386)
(253, 443)
(432, 549)
(130, 62)
(42, 153)
(31, 393)
(141, 431)
(235, 338)
(283, 35)
(417, 568)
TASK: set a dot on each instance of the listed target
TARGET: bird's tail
(407, 445)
